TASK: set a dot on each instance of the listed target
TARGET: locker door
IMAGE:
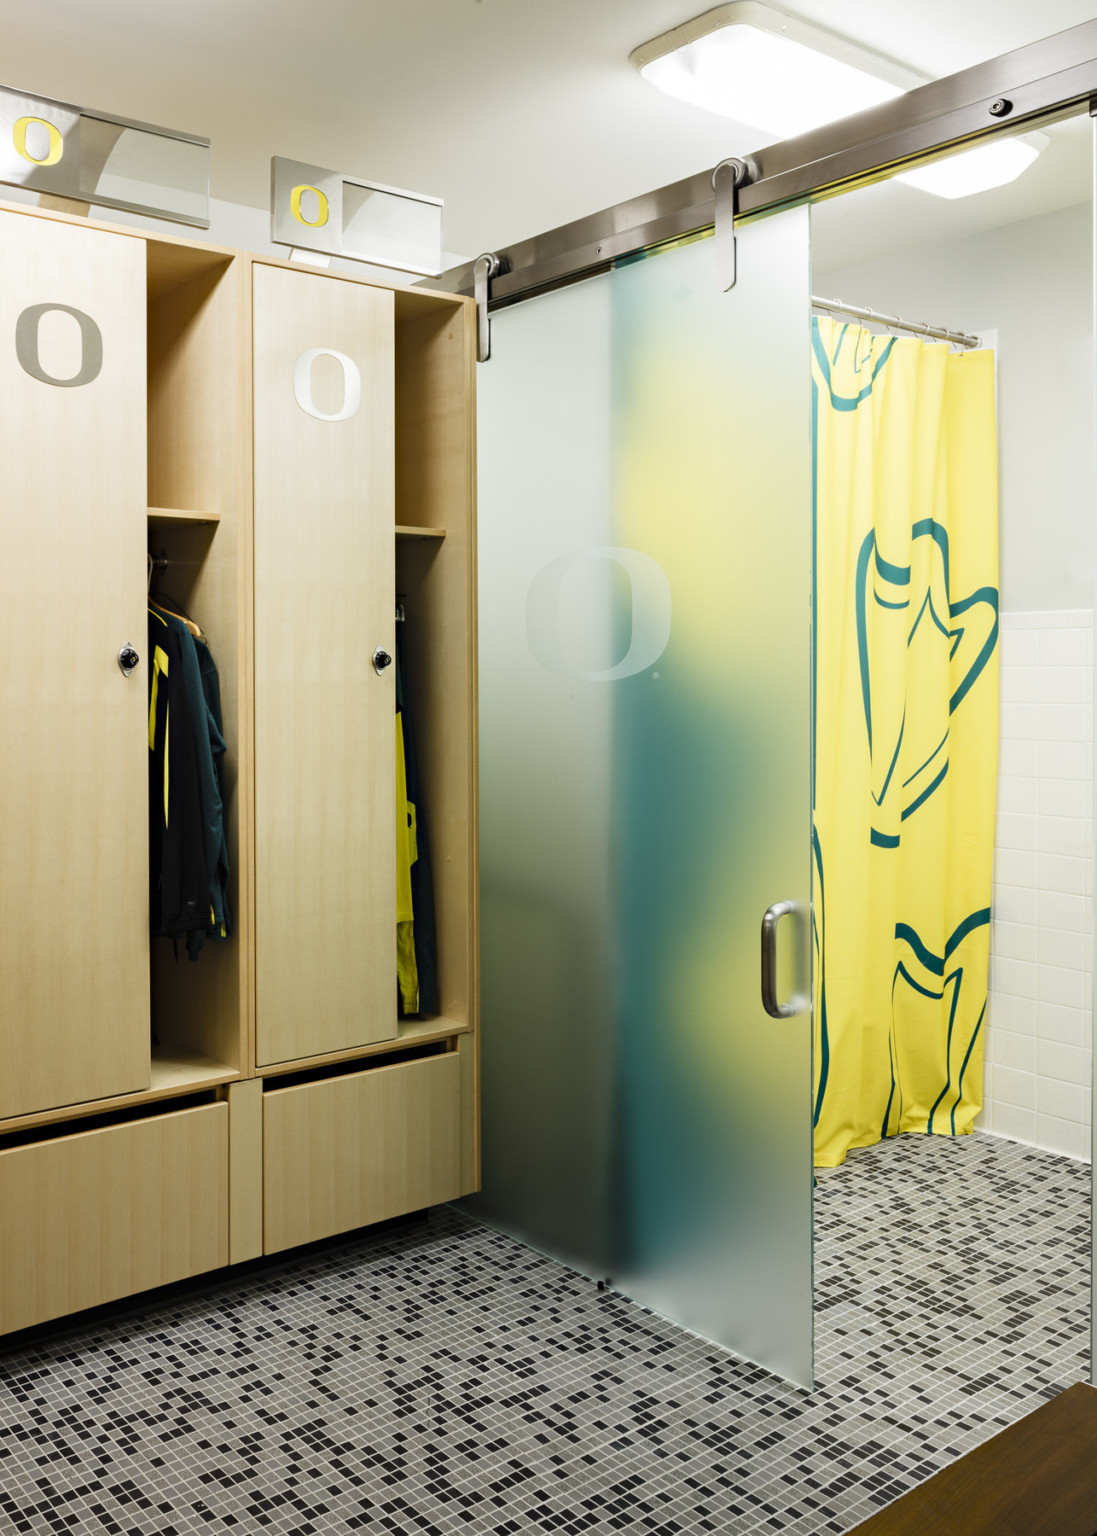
(74, 988)
(325, 790)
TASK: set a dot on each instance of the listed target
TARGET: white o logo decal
(302, 384)
(650, 613)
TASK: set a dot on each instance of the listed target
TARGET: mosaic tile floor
(440, 1378)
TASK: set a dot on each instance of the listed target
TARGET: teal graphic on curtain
(906, 731)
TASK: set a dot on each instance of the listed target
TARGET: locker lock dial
(128, 659)
(381, 660)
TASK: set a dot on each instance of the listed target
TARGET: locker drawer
(105, 1213)
(347, 1151)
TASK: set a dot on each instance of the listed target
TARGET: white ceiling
(522, 114)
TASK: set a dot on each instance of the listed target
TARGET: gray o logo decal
(650, 613)
(302, 384)
(26, 345)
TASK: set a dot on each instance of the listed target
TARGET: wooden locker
(74, 949)
(324, 719)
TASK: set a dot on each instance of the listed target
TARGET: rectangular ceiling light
(767, 69)
(979, 169)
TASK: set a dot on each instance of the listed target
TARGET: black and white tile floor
(440, 1378)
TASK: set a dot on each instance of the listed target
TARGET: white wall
(236, 225)
(1038, 1047)
(1031, 283)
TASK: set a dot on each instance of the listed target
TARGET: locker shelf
(407, 531)
(177, 1070)
(177, 517)
(408, 1032)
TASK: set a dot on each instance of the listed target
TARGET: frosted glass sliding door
(645, 589)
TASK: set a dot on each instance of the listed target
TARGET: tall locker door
(74, 982)
(325, 785)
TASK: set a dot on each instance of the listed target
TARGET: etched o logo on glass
(26, 345)
(650, 613)
(302, 384)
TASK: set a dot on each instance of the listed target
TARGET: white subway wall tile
(1017, 941)
(1055, 797)
(1037, 1042)
(1020, 832)
(1055, 909)
(1064, 1063)
(1016, 1013)
(1017, 1124)
(1056, 984)
(1018, 978)
(1058, 834)
(1022, 685)
(1021, 722)
(1055, 760)
(1020, 904)
(1018, 647)
(1065, 1136)
(1067, 1101)
(1021, 795)
(1019, 1053)
(1059, 685)
(1016, 1088)
(1059, 648)
(1055, 946)
(1054, 722)
(1012, 867)
(1068, 1025)
(1057, 871)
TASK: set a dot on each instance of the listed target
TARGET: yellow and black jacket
(178, 884)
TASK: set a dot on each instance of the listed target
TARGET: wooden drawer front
(352, 1150)
(89, 1218)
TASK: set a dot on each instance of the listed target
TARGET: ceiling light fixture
(979, 169)
(772, 71)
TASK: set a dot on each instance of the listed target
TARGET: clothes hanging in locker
(188, 863)
(416, 962)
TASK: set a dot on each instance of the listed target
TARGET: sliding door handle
(770, 922)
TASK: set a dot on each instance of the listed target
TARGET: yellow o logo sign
(53, 134)
(295, 206)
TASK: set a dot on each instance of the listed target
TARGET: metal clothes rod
(937, 332)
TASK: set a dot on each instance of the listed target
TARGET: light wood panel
(353, 1150)
(74, 1001)
(468, 1056)
(175, 1071)
(85, 1219)
(174, 517)
(245, 1170)
(198, 429)
(425, 1031)
(325, 745)
(435, 391)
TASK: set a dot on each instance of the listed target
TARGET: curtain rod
(937, 332)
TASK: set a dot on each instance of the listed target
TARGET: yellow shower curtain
(906, 733)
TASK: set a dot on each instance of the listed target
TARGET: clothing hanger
(169, 605)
